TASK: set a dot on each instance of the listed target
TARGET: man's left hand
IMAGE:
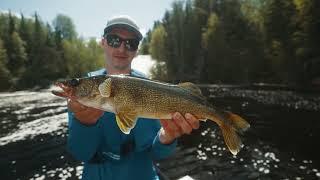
(177, 126)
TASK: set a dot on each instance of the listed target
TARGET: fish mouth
(65, 92)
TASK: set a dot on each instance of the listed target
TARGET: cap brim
(109, 28)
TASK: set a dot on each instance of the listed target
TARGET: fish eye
(74, 82)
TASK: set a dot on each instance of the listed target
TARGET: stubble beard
(119, 67)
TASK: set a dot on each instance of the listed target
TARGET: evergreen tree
(169, 53)
(3, 26)
(306, 39)
(36, 67)
(15, 48)
(12, 24)
(193, 54)
(144, 47)
(279, 29)
(25, 32)
(50, 37)
(216, 50)
(5, 79)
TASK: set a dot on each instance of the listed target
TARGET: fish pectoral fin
(126, 122)
(105, 88)
(194, 89)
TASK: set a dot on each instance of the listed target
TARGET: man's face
(119, 59)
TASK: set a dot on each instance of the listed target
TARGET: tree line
(231, 41)
(34, 53)
(203, 41)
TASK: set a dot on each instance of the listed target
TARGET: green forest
(34, 54)
(202, 41)
(237, 41)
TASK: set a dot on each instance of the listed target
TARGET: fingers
(193, 121)
(179, 125)
(182, 124)
(174, 124)
(166, 134)
(169, 128)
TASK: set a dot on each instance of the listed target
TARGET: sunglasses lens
(115, 42)
(132, 44)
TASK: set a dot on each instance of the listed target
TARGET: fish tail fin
(231, 139)
(237, 122)
(230, 124)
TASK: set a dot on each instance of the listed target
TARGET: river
(282, 143)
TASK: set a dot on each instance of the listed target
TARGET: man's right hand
(86, 115)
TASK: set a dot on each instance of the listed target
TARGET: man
(94, 136)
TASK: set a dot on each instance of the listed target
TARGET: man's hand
(86, 115)
(177, 126)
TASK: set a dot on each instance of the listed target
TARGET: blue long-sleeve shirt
(108, 153)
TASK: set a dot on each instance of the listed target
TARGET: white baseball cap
(123, 21)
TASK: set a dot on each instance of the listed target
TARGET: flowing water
(283, 142)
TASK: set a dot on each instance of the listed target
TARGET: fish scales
(152, 97)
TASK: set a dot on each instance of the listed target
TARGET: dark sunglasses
(115, 41)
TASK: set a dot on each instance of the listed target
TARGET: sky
(90, 16)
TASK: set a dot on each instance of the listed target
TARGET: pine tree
(15, 50)
(306, 39)
(25, 32)
(279, 29)
(5, 78)
(144, 47)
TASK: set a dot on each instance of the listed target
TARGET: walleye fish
(130, 97)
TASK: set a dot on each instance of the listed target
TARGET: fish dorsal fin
(105, 88)
(194, 89)
(126, 121)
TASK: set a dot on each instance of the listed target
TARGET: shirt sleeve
(83, 141)
(160, 151)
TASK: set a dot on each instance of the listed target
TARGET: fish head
(77, 88)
